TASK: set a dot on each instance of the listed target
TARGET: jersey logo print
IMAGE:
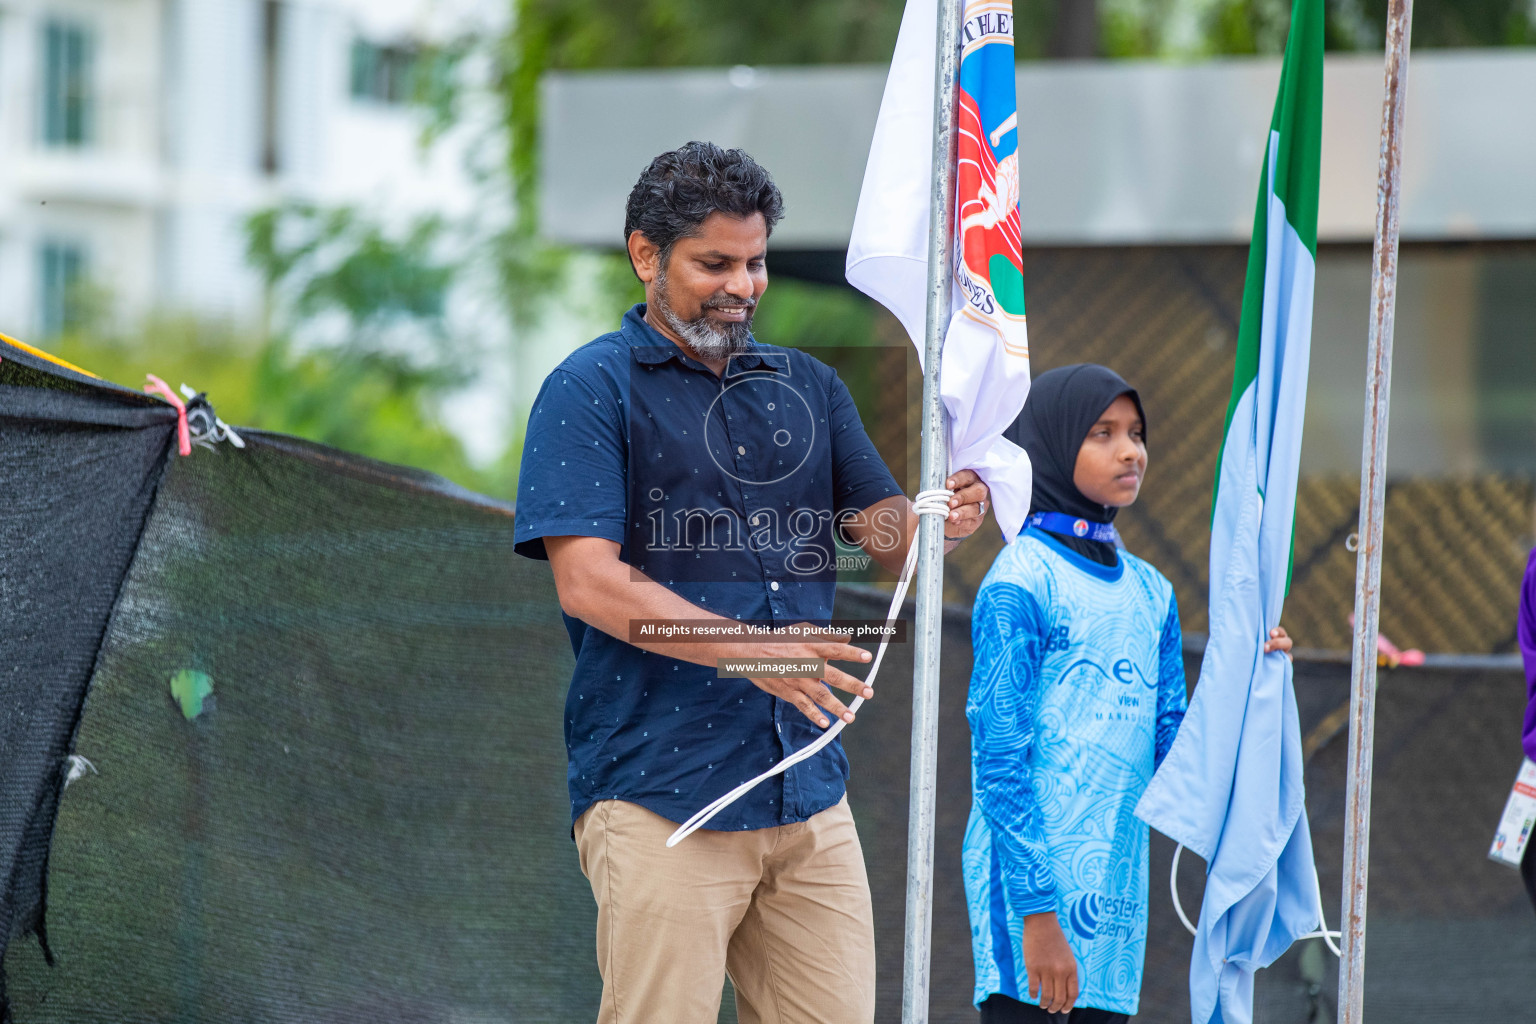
(1084, 915)
(1059, 640)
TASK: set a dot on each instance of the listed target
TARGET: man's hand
(1279, 640)
(968, 506)
(1052, 967)
(810, 694)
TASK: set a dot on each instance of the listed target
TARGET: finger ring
(983, 506)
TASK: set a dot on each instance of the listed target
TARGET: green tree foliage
(676, 33)
(315, 261)
(1259, 26)
(1463, 23)
(1248, 26)
(1207, 28)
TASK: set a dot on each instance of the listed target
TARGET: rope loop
(932, 503)
(1178, 908)
(207, 429)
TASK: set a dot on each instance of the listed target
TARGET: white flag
(985, 373)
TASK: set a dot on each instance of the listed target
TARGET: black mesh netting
(78, 467)
(367, 820)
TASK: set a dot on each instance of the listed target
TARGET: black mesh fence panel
(78, 467)
(367, 820)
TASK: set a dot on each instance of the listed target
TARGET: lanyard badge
(1060, 522)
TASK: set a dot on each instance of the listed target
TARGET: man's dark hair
(683, 187)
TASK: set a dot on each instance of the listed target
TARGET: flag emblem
(985, 375)
(1080, 527)
(989, 264)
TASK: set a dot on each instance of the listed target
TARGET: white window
(384, 74)
(68, 93)
(61, 276)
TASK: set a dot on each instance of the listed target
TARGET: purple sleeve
(1526, 631)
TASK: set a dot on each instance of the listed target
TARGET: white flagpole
(930, 532)
(1378, 391)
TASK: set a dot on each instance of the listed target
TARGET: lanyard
(928, 503)
(1060, 522)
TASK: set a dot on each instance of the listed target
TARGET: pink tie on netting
(156, 386)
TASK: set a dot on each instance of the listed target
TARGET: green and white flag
(1230, 788)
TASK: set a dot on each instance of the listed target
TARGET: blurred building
(1138, 182)
(138, 135)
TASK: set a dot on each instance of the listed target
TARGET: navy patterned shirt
(726, 490)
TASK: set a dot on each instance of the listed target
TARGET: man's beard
(708, 339)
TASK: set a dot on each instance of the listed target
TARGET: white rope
(1173, 887)
(204, 433)
(928, 503)
(1178, 907)
(78, 766)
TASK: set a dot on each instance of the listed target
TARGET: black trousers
(1528, 871)
(1000, 1009)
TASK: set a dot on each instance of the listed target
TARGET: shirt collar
(652, 348)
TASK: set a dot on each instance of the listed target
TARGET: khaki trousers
(784, 911)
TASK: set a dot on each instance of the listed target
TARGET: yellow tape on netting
(39, 353)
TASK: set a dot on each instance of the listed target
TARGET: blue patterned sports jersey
(1076, 695)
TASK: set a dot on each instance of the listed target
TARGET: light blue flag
(1231, 787)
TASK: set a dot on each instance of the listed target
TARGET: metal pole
(1378, 393)
(930, 532)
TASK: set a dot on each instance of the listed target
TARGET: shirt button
(741, 450)
(774, 585)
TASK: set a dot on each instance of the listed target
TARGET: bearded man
(677, 472)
